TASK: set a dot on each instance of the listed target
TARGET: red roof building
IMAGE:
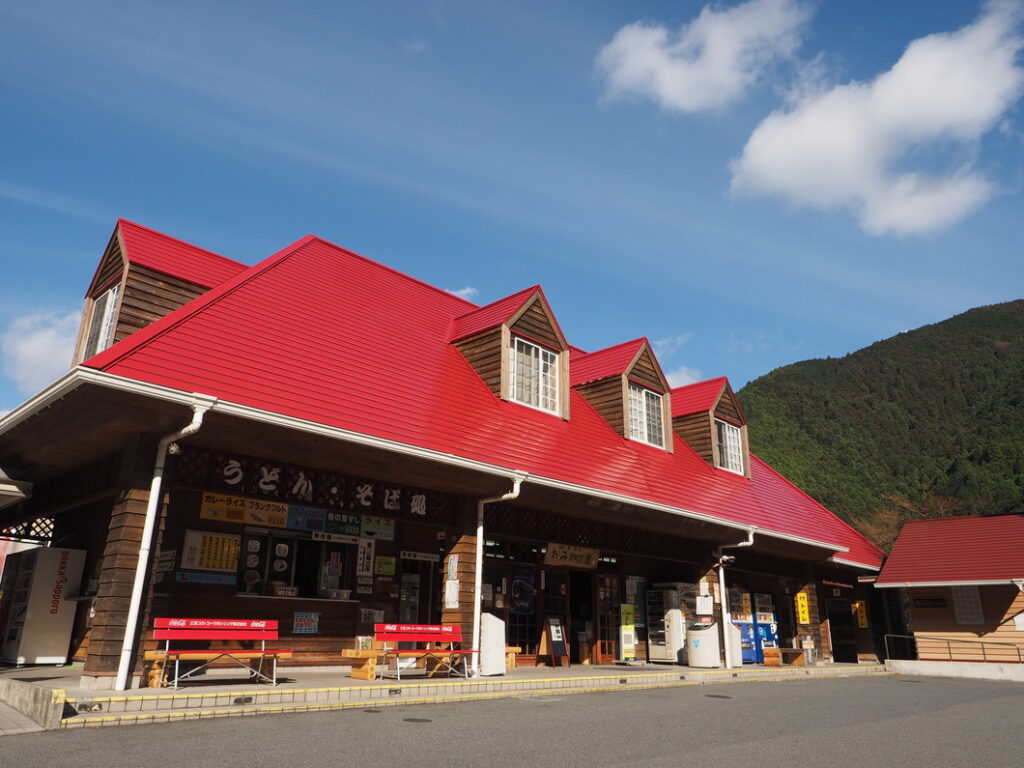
(964, 578)
(318, 366)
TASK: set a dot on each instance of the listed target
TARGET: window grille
(645, 419)
(967, 605)
(730, 447)
(534, 375)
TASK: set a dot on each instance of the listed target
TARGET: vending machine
(741, 612)
(36, 615)
(666, 634)
(765, 623)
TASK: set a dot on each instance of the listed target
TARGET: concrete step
(200, 704)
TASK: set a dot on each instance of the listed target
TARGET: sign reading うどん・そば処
(573, 557)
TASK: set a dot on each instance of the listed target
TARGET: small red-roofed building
(964, 581)
(348, 431)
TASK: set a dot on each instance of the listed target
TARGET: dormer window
(101, 324)
(533, 375)
(645, 416)
(730, 447)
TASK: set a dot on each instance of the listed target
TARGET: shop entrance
(581, 616)
(842, 631)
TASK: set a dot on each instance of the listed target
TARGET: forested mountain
(928, 423)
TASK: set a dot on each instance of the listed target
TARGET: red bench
(447, 658)
(252, 630)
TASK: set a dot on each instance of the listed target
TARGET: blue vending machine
(741, 612)
(766, 628)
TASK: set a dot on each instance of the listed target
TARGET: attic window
(730, 447)
(534, 375)
(645, 422)
(101, 324)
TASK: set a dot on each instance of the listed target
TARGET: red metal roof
(611, 361)
(378, 341)
(694, 398)
(159, 252)
(956, 549)
(490, 315)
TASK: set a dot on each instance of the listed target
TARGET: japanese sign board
(803, 610)
(860, 610)
(627, 631)
(382, 528)
(207, 551)
(364, 557)
(384, 566)
(573, 557)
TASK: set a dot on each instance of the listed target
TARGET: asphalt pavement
(895, 722)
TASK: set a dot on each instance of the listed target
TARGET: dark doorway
(581, 615)
(842, 631)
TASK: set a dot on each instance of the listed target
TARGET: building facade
(322, 440)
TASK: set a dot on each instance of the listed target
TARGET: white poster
(451, 594)
(364, 558)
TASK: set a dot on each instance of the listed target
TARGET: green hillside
(927, 423)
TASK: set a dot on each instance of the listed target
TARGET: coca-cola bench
(252, 659)
(441, 653)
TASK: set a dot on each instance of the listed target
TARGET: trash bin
(702, 648)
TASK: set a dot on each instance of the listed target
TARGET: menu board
(253, 562)
(208, 551)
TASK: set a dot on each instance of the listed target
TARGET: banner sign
(305, 623)
(573, 557)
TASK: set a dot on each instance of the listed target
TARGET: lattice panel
(34, 530)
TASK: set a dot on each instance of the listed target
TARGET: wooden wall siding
(696, 429)
(606, 397)
(644, 371)
(999, 605)
(117, 575)
(535, 324)
(148, 296)
(817, 629)
(110, 269)
(465, 549)
(485, 352)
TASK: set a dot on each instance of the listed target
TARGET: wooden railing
(948, 649)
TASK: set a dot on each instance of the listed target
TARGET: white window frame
(645, 407)
(101, 322)
(540, 391)
(967, 604)
(730, 447)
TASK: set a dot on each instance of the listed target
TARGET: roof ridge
(168, 322)
(613, 346)
(122, 220)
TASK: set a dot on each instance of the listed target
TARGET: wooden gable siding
(727, 410)
(696, 429)
(109, 271)
(535, 324)
(147, 296)
(645, 371)
(485, 352)
(606, 397)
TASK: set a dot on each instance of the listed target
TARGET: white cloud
(669, 345)
(710, 63)
(842, 147)
(682, 375)
(469, 292)
(36, 349)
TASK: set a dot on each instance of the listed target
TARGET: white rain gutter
(724, 595)
(1019, 583)
(200, 405)
(478, 576)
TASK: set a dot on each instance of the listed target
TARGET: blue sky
(748, 184)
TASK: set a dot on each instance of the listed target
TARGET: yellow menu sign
(860, 610)
(235, 509)
(803, 609)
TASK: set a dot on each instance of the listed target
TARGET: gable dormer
(709, 418)
(627, 387)
(517, 348)
(143, 276)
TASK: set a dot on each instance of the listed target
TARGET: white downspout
(200, 405)
(724, 596)
(478, 578)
